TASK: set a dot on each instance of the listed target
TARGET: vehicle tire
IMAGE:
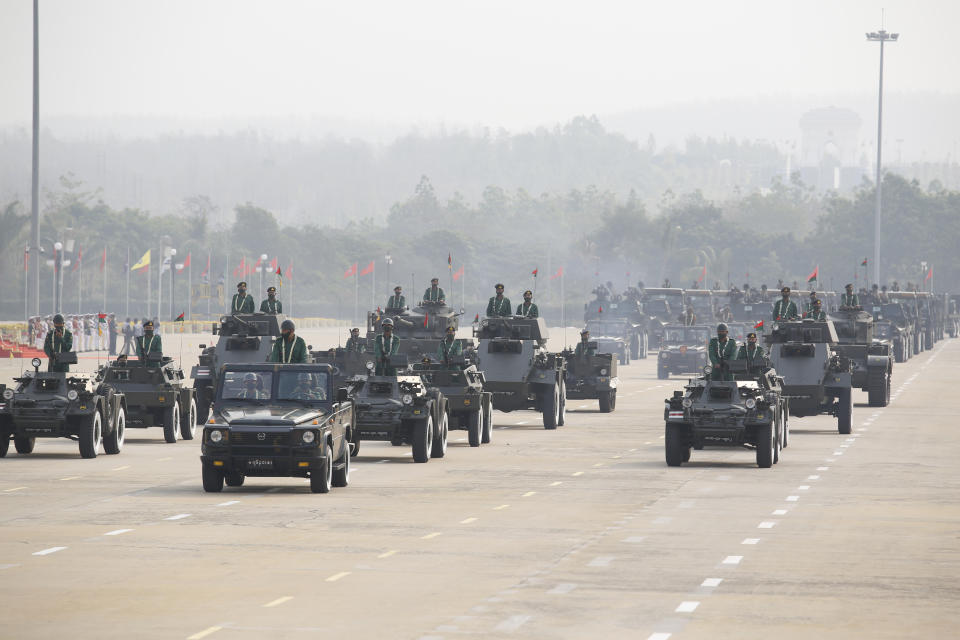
(644, 346)
(766, 444)
(898, 351)
(605, 402)
(234, 479)
(4, 445)
(91, 434)
(321, 479)
(635, 346)
(777, 439)
(622, 360)
(844, 411)
(785, 417)
(113, 441)
(212, 479)
(878, 388)
(24, 444)
(202, 396)
(686, 454)
(439, 448)
(562, 413)
(662, 374)
(550, 406)
(475, 427)
(171, 422)
(341, 476)
(613, 400)
(673, 446)
(422, 439)
(188, 422)
(487, 423)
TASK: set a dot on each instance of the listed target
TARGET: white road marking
(228, 503)
(70, 478)
(838, 453)
(711, 582)
(599, 464)
(430, 536)
(47, 552)
(528, 494)
(278, 601)
(556, 484)
(750, 541)
(337, 576)
(779, 512)
(600, 561)
(387, 554)
(766, 524)
(117, 532)
(823, 468)
(814, 477)
(468, 520)
(792, 498)
(512, 623)
(563, 587)
(732, 560)
(501, 507)
(803, 487)
(164, 460)
(13, 489)
(577, 473)
(126, 466)
(179, 516)
(203, 634)
(633, 539)
(687, 606)
(659, 636)
(631, 450)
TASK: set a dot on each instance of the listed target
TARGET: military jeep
(683, 350)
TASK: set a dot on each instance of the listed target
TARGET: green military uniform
(355, 345)
(849, 300)
(382, 349)
(752, 356)
(528, 310)
(53, 345)
(293, 352)
(241, 305)
(816, 314)
(396, 302)
(721, 353)
(252, 394)
(583, 350)
(270, 306)
(146, 346)
(498, 308)
(446, 350)
(785, 310)
(433, 295)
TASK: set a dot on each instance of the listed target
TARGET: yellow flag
(143, 262)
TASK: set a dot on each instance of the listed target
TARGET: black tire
(844, 411)
(202, 395)
(562, 413)
(24, 444)
(91, 434)
(662, 374)
(644, 346)
(878, 388)
(673, 446)
(475, 427)
(4, 445)
(171, 422)
(322, 479)
(439, 448)
(635, 347)
(898, 351)
(212, 479)
(605, 406)
(785, 417)
(354, 442)
(234, 479)
(113, 441)
(341, 476)
(766, 444)
(188, 422)
(487, 423)
(422, 439)
(549, 405)
(778, 440)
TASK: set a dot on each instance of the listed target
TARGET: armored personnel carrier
(871, 363)
(345, 365)
(242, 338)
(47, 404)
(816, 379)
(892, 323)
(469, 407)
(749, 410)
(420, 329)
(592, 377)
(156, 394)
(910, 305)
(518, 370)
(683, 350)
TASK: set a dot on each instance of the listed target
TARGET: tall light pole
(263, 267)
(389, 260)
(882, 37)
(34, 256)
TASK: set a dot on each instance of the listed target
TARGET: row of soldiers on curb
(60, 339)
(90, 334)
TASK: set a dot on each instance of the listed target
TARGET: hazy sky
(514, 63)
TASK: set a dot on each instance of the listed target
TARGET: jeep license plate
(259, 463)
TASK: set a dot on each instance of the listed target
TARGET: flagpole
(104, 279)
(291, 287)
(190, 288)
(149, 285)
(26, 286)
(80, 286)
(563, 314)
(373, 286)
(356, 294)
(127, 314)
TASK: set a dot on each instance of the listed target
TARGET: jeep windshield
(266, 386)
(254, 386)
(686, 335)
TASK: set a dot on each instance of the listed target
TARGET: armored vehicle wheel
(475, 427)
(91, 433)
(354, 443)
(203, 404)
(171, 422)
(606, 399)
(898, 351)
(422, 439)
(662, 374)
(562, 414)
(550, 406)
(113, 441)
(635, 347)
(23, 444)
(487, 432)
(212, 479)
(322, 479)
(4, 445)
(878, 388)
(766, 447)
(644, 346)
(234, 479)
(188, 422)
(778, 440)
(341, 476)
(673, 446)
(844, 411)
(785, 418)
(439, 448)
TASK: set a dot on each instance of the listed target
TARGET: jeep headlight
(750, 403)
(687, 403)
(603, 372)
(72, 395)
(216, 436)
(707, 370)
(35, 363)
(664, 355)
(407, 398)
(308, 437)
(370, 366)
(8, 394)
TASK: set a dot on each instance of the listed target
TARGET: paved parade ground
(583, 532)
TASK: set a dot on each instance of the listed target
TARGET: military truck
(620, 317)
(749, 410)
(469, 407)
(683, 350)
(401, 409)
(816, 379)
(518, 370)
(612, 335)
(592, 377)
(46, 404)
(871, 360)
(891, 322)
(420, 329)
(278, 420)
(242, 338)
(156, 394)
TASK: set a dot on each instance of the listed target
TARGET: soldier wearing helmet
(434, 293)
(721, 350)
(60, 340)
(385, 345)
(816, 311)
(289, 348)
(251, 387)
(306, 389)
(584, 348)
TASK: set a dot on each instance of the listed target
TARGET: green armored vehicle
(469, 407)
(592, 377)
(892, 323)
(420, 329)
(156, 394)
(871, 360)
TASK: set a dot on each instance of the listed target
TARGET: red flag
(273, 265)
(426, 318)
(279, 272)
(76, 265)
(102, 317)
(476, 318)
(864, 263)
(205, 271)
(290, 271)
(256, 265)
(557, 274)
(103, 259)
(351, 271)
(929, 274)
(458, 273)
(368, 269)
(703, 274)
(241, 270)
(449, 261)
(600, 309)
(813, 275)
(179, 317)
(186, 263)
(534, 272)
(759, 325)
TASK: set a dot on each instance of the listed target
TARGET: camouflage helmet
(387, 322)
